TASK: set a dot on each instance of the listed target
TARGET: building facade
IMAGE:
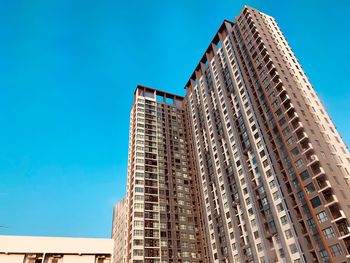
(29, 249)
(119, 232)
(162, 213)
(247, 167)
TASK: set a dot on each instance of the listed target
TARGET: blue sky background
(68, 70)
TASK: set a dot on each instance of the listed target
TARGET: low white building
(29, 249)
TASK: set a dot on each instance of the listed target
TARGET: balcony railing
(301, 136)
(344, 229)
(312, 159)
(306, 148)
(330, 198)
(317, 172)
(337, 213)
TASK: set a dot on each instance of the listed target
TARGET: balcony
(344, 229)
(329, 197)
(337, 213)
(288, 107)
(152, 191)
(149, 198)
(151, 215)
(297, 126)
(275, 77)
(271, 70)
(279, 84)
(323, 184)
(293, 116)
(306, 148)
(151, 243)
(312, 159)
(318, 171)
(302, 136)
(256, 35)
(261, 46)
(293, 201)
(284, 98)
(268, 62)
(280, 90)
(151, 224)
(150, 162)
(151, 253)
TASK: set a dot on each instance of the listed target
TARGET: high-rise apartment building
(247, 167)
(119, 232)
(162, 215)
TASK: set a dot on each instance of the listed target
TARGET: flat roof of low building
(60, 245)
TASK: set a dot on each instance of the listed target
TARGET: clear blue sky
(68, 70)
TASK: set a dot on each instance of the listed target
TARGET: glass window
(324, 255)
(328, 232)
(315, 202)
(272, 184)
(284, 220)
(336, 250)
(276, 195)
(299, 163)
(322, 216)
(295, 151)
(293, 248)
(304, 175)
(310, 188)
(288, 233)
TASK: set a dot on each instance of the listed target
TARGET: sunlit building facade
(119, 232)
(162, 215)
(247, 167)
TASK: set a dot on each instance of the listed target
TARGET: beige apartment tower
(247, 167)
(162, 213)
(119, 232)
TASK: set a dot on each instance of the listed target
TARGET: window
(315, 202)
(310, 188)
(304, 175)
(295, 151)
(272, 184)
(279, 207)
(259, 246)
(299, 163)
(282, 121)
(138, 223)
(293, 248)
(336, 250)
(276, 195)
(290, 141)
(328, 232)
(324, 255)
(322, 216)
(138, 190)
(138, 252)
(138, 232)
(285, 131)
(281, 252)
(288, 233)
(265, 163)
(284, 220)
(253, 222)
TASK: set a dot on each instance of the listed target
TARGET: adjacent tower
(162, 215)
(119, 232)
